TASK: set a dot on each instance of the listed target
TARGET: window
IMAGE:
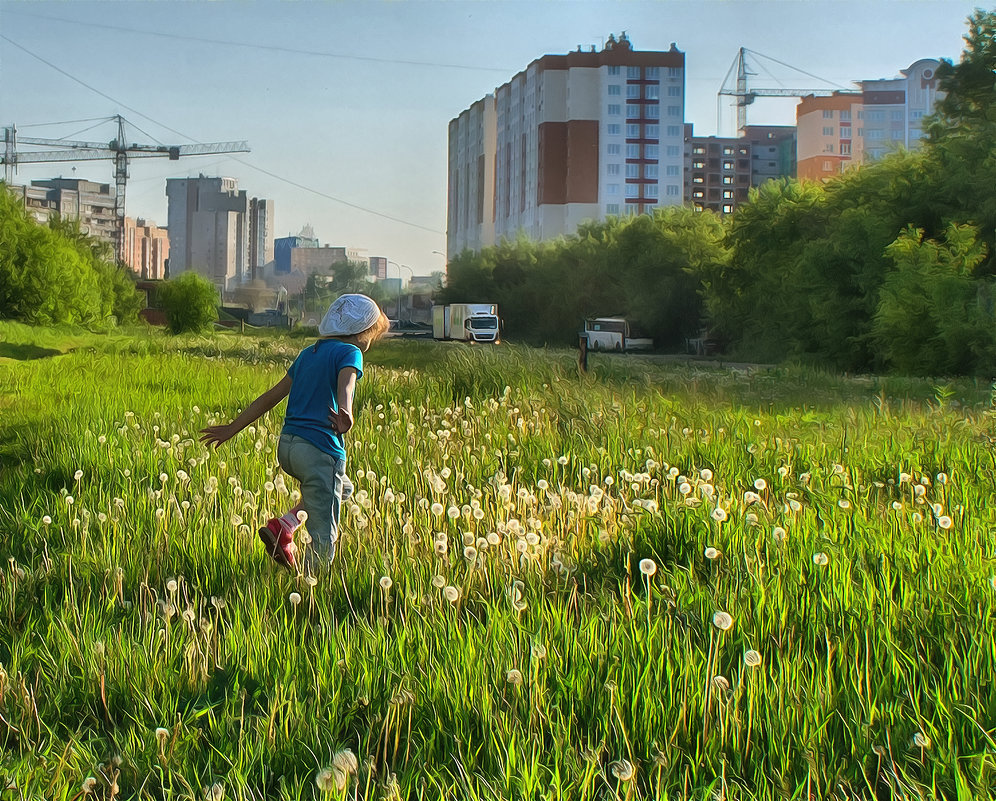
(727, 208)
(632, 131)
(651, 190)
(652, 131)
(632, 72)
(727, 165)
(633, 90)
(611, 169)
(615, 89)
(727, 150)
(674, 190)
(897, 116)
(875, 133)
(614, 110)
(861, 131)
(728, 179)
(916, 115)
(672, 170)
(697, 194)
(632, 170)
(612, 189)
(845, 115)
(652, 91)
(698, 179)
(674, 130)
(613, 150)
(876, 116)
(845, 148)
(674, 111)
(653, 72)
(613, 70)
(674, 91)
(827, 114)
(651, 171)
(698, 165)
(632, 190)
(699, 150)
(652, 112)
(727, 194)
(674, 72)
(861, 114)
(828, 147)
(632, 151)
(827, 166)
(652, 151)
(827, 129)
(611, 208)
(614, 129)
(673, 150)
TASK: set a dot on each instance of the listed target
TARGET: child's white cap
(349, 314)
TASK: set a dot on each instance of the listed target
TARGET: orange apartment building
(146, 249)
(825, 131)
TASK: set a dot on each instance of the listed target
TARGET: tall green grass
(526, 598)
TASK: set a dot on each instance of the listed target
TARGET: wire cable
(275, 48)
(240, 161)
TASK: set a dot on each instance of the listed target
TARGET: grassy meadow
(657, 580)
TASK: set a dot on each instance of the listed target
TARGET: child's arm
(215, 435)
(342, 420)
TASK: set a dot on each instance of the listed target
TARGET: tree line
(890, 266)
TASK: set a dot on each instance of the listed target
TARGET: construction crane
(746, 95)
(119, 149)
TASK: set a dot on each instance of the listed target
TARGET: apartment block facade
(850, 128)
(146, 249)
(571, 138)
(91, 203)
(208, 221)
(260, 236)
(717, 172)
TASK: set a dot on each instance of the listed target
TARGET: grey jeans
(323, 487)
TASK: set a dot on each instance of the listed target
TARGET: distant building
(571, 138)
(146, 249)
(717, 172)
(317, 260)
(772, 152)
(260, 236)
(92, 204)
(209, 229)
(378, 267)
(283, 247)
(854, 127)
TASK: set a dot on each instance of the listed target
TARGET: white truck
(613, 334)
(468, 322)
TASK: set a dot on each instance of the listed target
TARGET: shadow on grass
(24, 352)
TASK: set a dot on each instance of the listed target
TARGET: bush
(190, 303)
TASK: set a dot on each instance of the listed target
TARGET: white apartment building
(573, 137)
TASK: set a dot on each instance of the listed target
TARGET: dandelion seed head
(539, 650)
(171, 585)
(437, 508)
(752, 658)
(325, 780)
(88, 786)
(721, 683)
(47, 520)
(719, 514)
(623, 770)
(78, 475)
(648, 567)
(820, 559)
(760, 484)
(921, 740)
(294, 598)
(712, 553)
(843, 503)
(162, 735)
(944, 522)
(386, 583)
(779, 533)
(722, 621)
(514, 677)
(451, 594)
(438, 582)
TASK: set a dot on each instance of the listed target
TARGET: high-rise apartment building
(772, 152)
(853, 127)
(571, 138)
(90, 203)
(260, 236)
(717, 172)
(209, 227)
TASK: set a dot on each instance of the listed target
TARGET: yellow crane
(118, 149)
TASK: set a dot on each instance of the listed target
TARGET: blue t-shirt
(314, 379)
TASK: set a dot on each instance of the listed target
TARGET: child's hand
(215, 435)
(341, 420)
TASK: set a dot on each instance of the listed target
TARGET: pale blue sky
(352, 99)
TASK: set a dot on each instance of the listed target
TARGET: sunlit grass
(655, 580)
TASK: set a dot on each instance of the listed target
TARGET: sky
(345, 103)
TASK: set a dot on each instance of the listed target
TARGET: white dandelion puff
(294, 598)
(722, 621)
(451, 593)
(622, 769)
(821, 559)
(648, 567)
(752, 658)
(386, 583)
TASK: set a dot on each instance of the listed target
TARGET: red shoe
(279, 542)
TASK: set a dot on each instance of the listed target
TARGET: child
(320, 385)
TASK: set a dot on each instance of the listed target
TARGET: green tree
(190, 303)
(933, 317)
